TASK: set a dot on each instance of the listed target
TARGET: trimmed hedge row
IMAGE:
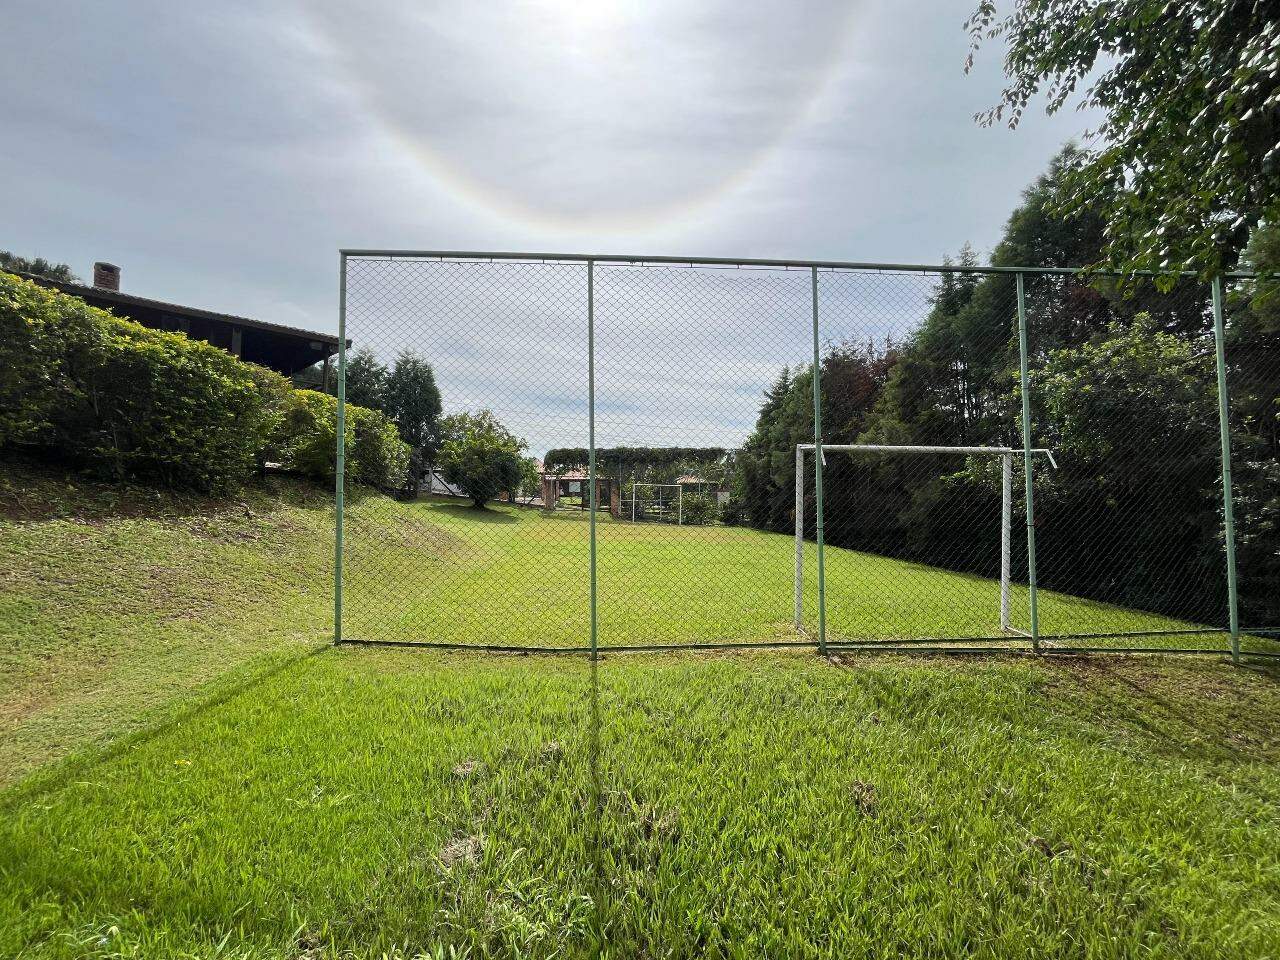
(80, 385)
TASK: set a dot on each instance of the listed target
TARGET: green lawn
(514, 575)
(365, 802)
(194, 772)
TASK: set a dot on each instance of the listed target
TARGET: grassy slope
(359, 801)
(114, 603)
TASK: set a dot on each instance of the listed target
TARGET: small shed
(571, 489)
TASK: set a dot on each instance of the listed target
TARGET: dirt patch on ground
(462, 851)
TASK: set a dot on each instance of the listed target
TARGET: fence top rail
(911, 448)
(730, 262)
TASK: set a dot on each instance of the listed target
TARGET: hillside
(117, 602)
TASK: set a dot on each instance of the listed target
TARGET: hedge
(304, 441)
(82, 386)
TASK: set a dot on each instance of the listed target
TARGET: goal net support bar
(1005, 454)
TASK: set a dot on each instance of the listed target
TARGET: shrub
(480, 456)
(82, 385)
(306, 435)
(699, 508)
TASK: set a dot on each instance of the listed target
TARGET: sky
(221, 154)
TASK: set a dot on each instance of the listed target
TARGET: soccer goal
(1006, 455)
(657, 502)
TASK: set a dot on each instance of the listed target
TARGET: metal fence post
(1024, 380)
(340, 455)
(591, 448)
(799, 536)
(817, 466)
(1006, 534)
(1228, 511)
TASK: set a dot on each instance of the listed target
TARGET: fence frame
(813, 267)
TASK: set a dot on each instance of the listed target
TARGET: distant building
(572, 488)
(286, 350)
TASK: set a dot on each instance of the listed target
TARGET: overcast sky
(222, 153)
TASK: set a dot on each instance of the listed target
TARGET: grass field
(193, 772)
(515, 575)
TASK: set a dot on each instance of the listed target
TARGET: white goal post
(1006, 455)
(679, 499)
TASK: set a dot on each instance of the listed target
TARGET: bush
(699, 509)
(109, 394)
(480, 456)
(305, 441)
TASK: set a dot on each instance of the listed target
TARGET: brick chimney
(106, 276)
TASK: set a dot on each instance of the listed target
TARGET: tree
(366, 380)
(412, 399)
(480, 456)
(1132, 514)
(39, 266)
(1187, 158)
(530, 480)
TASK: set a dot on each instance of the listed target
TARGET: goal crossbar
(1006, 455)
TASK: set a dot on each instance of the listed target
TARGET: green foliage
(530, 478)
(366, 381)
(1139, 492)
(412, 399)
(305, 441)
(80, 385)
(699, 509)
(38, 266)
(646, 464)
(124, 400)
(1187, 158)
(480, 456)
(1133, 419)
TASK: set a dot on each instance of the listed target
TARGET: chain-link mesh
(706, 480)
(1128, 527)
(917, 536)
(509, 339)
(1252, 347)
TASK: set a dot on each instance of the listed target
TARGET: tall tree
(1186, 160)
(367, 378)
(412, 399)
(482, 457)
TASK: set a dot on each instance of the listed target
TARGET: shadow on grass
(46, 781)
(1194, 711)
(474, 514)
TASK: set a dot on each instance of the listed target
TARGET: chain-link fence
(623, 453)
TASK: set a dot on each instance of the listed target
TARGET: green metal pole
(817, 466)
(341, 454)
(591, 448)
(1228, 511)
(1024, 380)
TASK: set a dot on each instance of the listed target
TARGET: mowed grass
(192, 771)
(369, 803)
(517, 575)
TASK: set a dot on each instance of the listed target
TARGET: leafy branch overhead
(1186, 160)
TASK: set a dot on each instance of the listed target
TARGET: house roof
(130, 300)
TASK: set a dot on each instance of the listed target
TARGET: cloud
(223, 154)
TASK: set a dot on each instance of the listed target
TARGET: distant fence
(890, 457)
